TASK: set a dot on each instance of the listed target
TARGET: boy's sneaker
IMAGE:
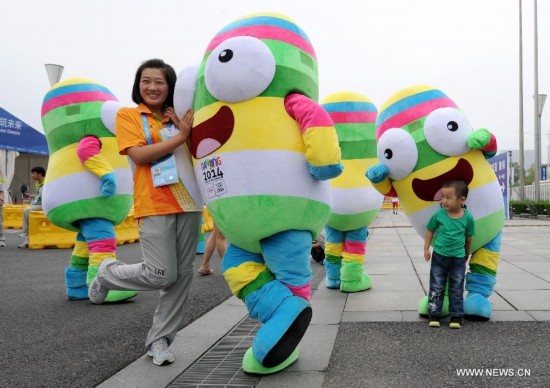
(22, 235)
(434, 322)
(160, 353)
(23, 245)
(456, 323)
(96, 292)
(2, 243)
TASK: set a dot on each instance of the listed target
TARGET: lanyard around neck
(146, 129)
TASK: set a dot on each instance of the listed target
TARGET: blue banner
(500, 165)
(16, 135)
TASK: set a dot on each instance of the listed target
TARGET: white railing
(530, 192)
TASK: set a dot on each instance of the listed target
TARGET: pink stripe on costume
(106, 245)
(414, 113)
(265, 32)
(353, 117)
(301, 291)
(355, 247)
(492, 145)
(75, 98)
(88, 147)
(306, 112)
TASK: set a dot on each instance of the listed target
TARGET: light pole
(54, 72)
(536, 172)
(521, 145)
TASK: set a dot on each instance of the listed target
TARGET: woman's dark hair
(169, 74)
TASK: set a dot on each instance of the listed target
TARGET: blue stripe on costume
(406, 103)
(96, 229)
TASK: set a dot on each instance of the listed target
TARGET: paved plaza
(373, 331)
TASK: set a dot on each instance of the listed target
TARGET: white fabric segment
(82, 185)
(481, 202)
(260, 172)
(355, 200)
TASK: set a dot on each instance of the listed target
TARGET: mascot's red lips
(211, 134)
(428, 190)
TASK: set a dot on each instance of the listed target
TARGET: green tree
(530, 175)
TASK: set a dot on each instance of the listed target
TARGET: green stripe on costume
(72, 133)
(79, 262)
(486, 229)
(261, 216)
(346, 222)
(263, 278)
(360, 149)
(115, 209)
(482, 270)
(333, 259)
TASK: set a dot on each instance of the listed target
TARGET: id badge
(164, 171)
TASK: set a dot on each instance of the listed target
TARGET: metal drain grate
(221, 365)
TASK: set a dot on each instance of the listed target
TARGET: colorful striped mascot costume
(423, 140)
(88, 188)
(263, 150)
(355, 203)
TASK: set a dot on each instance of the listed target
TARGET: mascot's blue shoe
(332, 278)
(476, 303)
(75, 281)
(251, 365)
(285, 318)
(477, 307)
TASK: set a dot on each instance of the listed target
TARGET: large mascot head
(422, 139)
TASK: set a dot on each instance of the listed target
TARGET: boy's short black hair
(39, 170)
(169, 74)
(461, 188)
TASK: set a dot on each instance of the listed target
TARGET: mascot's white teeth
(207, 146)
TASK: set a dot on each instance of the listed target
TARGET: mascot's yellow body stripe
(405, 93)
(353, 169)
(282, 133)
(483, 174)
(485, 258)
(239, 277)
(334, 249)
(68, 163)
(316, 138)
(352, 257)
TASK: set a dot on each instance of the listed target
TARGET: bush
(531, 207)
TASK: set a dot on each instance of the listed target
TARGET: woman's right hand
(185, 124)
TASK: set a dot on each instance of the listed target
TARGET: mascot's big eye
(397, 151)
(238, 69)
(447, 131)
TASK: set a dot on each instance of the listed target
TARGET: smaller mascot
(355, 203)
(88, 188)
(263, 150)
(423, 140)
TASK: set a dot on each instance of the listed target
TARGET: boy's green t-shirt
(450, 233)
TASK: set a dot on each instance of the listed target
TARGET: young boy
(455, 227)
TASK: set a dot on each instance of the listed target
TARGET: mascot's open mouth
(211, 134)
(430, 189)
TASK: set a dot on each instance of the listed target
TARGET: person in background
(168, 217)
(2, 237)
(453, 227)
(216, 241)
(395, 204)
(38, 174)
